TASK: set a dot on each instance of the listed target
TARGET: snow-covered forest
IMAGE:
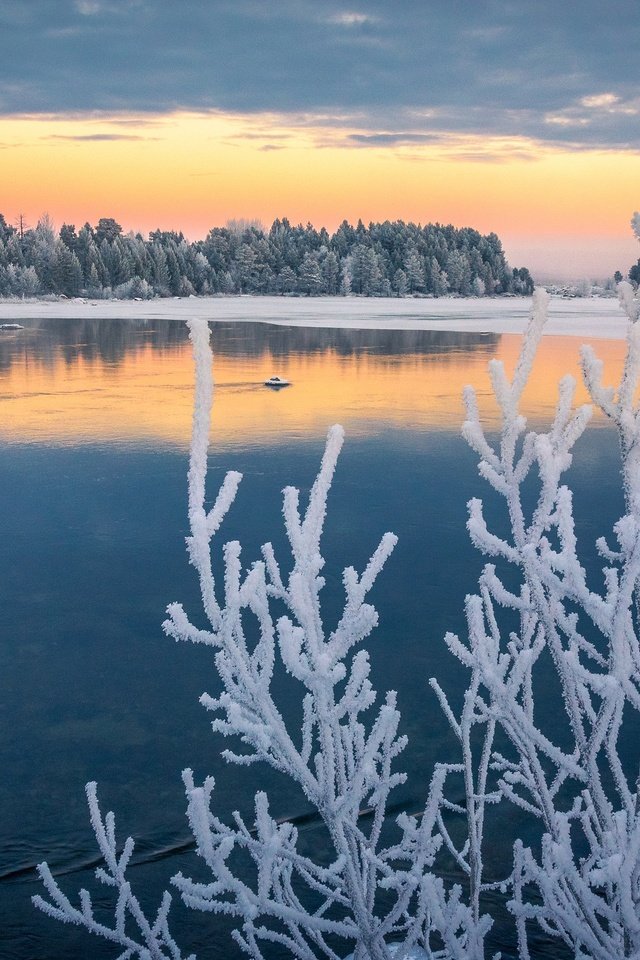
(383, 259)
(379, 894)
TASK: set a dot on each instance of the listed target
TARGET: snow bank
(594, 318)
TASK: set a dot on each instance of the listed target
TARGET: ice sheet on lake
(589, 317)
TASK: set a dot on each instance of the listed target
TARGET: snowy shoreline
(589, 317)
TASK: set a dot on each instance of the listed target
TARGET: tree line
(383, 259)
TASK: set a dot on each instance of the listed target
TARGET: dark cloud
(497, 67)
(391, 139)
(91, 137)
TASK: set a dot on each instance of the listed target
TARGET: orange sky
(556, 210)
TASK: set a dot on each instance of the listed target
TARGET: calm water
(95, 426)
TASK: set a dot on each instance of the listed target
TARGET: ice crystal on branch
(370, 895)
(151, 939)
(587, 873)
(375, 899)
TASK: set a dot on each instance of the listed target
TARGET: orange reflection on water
(145, 397)
(556, 357)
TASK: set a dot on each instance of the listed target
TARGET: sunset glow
(208, 168)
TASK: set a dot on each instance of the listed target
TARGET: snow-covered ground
(594, 318)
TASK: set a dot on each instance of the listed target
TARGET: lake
(95, 427)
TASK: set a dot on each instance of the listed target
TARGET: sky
(520, 117)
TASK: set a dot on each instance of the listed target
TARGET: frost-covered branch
(153, 941)
(577, 789)
(371, 895)
(378, 897)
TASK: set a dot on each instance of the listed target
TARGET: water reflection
(111, 340)
(87, 381)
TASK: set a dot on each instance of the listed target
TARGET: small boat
(277, 382)
(11, 326)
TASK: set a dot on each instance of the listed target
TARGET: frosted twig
(343, 763)
(593, 904)
(154, 940)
